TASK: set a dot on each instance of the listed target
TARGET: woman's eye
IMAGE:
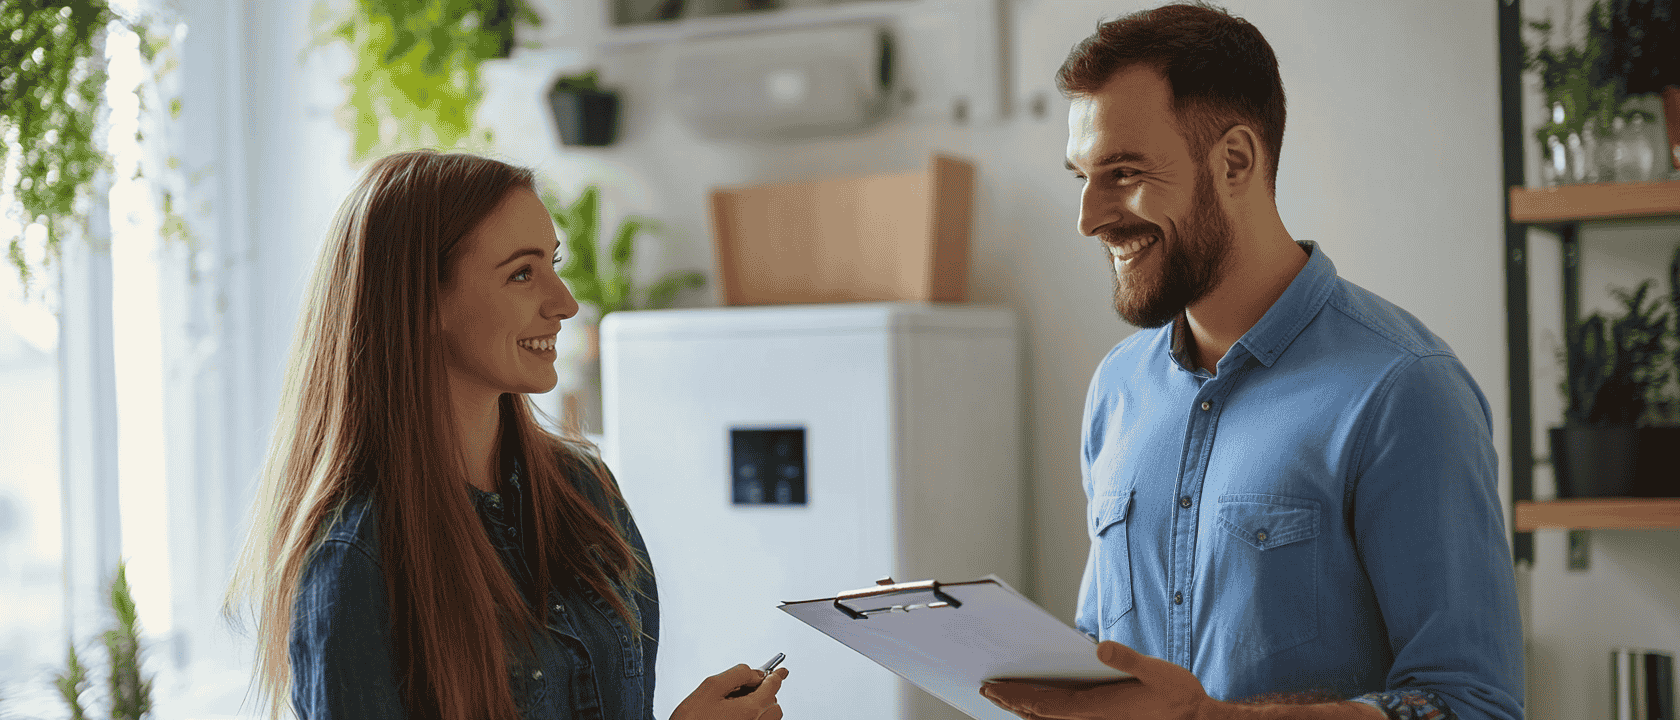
(525, 271)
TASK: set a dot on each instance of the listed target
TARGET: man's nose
(1096, 211)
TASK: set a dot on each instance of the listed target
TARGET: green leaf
(442, 46)
(661, 294)
(525, 14)
(401, 44)
(586, 288)
(583, 218)
(624, 246)
(615, 294)
(72, 683)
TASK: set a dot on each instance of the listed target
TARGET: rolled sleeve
(340, 641)
(1431, 535)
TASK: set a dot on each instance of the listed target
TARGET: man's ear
(1236, 158)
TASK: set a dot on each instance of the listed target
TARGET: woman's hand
(707, 702)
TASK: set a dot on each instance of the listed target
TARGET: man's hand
(1160, 690)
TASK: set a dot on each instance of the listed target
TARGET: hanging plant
(49, 99)
(415, 81)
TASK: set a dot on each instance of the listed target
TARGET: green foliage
(49, 96)
(130, 694)
(1568, 77)
(1615, 366)
(581, 82)
(72, 684)
(1671, 404)
(609, 287)
(415, 80)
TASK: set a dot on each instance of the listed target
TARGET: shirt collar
(1284, 320)
(510, 483)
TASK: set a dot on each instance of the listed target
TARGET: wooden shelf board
(1598, 201)
(1599, 514)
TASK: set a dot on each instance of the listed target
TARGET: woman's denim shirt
(588, 663)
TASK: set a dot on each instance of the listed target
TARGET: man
(1292, 484)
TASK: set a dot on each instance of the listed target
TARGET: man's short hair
(1221, 69)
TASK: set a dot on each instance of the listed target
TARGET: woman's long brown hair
(364, 409)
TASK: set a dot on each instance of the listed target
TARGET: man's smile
(1130, 250)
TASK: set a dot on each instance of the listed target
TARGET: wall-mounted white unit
(948, 56)
(792, 452)
(784, 84)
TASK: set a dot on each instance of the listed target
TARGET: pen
(766, 668)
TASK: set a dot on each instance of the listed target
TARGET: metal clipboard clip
(927, 591)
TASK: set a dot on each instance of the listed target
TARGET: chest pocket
(1270, 551)
(1113, 561)
(530, 677)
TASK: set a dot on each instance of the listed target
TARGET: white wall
(1390, 161)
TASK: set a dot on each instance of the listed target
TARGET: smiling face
(504, 302)
(1151, 203)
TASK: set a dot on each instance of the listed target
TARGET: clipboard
(949, 638)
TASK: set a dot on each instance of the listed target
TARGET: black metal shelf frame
(1518, 359)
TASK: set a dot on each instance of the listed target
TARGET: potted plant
(129, 693)
(584, 113)
(1614, 368)
(1639, 57)
(1657, 469)
(605, 287)
(1581, 97)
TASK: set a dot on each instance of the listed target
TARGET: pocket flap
(1268, 521)
(1109, 510)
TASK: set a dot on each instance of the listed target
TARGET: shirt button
(1261, 536)
(1178, 598)
(1184, 501)
(1207, 405)
(536, 674)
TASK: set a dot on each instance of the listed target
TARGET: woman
(420, 546)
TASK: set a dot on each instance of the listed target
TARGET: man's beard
(1191, 262)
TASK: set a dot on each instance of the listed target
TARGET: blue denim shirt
(588, 663)
(1321, 513)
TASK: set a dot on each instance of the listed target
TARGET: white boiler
(792, 452)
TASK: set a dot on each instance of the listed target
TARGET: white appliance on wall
(786, 453)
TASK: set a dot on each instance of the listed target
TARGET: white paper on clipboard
(949, 638)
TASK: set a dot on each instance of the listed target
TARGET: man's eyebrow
(1112, 159)
(527, 251)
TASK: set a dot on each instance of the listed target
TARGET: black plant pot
(585, 117)
(1657, 467)
(1590, 461)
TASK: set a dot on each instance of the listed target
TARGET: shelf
(1599, 514)
(688, 28)
(1597, 201)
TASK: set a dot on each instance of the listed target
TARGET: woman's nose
(563, 303)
